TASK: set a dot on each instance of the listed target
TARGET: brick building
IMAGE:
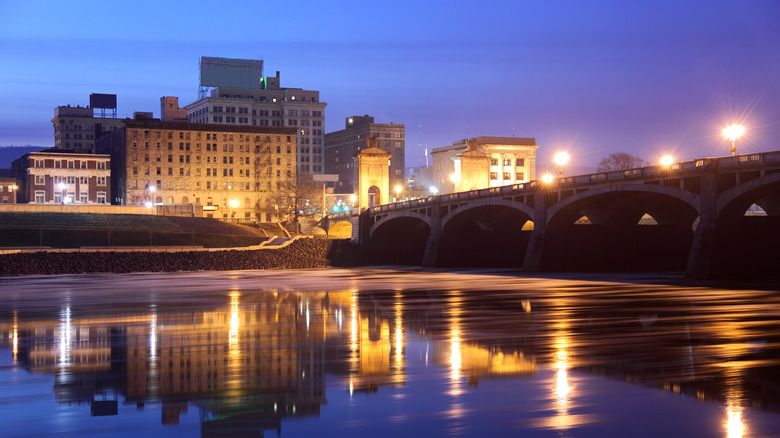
(234, 172)
(63, 176)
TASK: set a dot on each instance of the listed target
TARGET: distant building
(341, 147)
(63, 176)
(501, 161)
(8, 187)
(78, 127)
(170, 111)
(234, 172)
(243, 97)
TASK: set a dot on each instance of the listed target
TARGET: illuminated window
(493, 175)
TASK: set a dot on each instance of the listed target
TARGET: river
(386, 352)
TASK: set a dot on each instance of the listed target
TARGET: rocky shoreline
(301, 254)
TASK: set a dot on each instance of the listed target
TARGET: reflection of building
(341, 146)
(63, 176)
(493, 162)
(233, 171)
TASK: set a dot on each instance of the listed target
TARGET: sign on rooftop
(231, 72)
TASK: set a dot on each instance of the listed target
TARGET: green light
(335, 208)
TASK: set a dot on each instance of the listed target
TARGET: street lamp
(733, 132)
(434, 190)
(353, 198)
(561, 159)
(14, 189)
(547, 178)
(233, 204)
(398, 192)
(666, 160)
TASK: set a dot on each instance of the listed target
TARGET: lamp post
(398, 192)
(561, 159)
(733, 132)
(14, 188)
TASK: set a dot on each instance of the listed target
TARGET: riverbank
(301, 254)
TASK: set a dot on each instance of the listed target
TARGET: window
(83, 180)
(493, 175)
(494, 161)
(507, 176)
(520, 176)
(40, 179)
(101, 197)
(101, 180)
(40, 196)
(520, 162)
(83, 197)
(507, 161)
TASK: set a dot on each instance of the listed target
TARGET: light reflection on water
(384, 352)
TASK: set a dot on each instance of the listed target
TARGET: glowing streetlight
(434, 190)
(733, 132)
(666, 160)
(353, 198)
(62, 186)
(14, 188)
(561, 159)
(398, 192)
(547, 178)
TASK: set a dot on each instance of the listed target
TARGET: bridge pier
(533, 254)
(703, 245)
(432, 246)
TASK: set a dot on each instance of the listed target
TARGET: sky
(589, 77)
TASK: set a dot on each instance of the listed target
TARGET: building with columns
(341, 146)
(484, 162)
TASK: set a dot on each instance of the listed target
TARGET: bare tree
(619, 161)
(298, 197)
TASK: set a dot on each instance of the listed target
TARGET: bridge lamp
(434, 190)
(398, 192)
(732, 133)
(667, 160)
(561, 159)
(547, 178)
(149, 204)
(353, 198)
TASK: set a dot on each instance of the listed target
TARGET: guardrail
(654, 171)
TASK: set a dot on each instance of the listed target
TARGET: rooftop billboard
(231, 73)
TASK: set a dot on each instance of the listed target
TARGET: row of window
(519, 162)
(69, 164)
(40, 197)
(41, 180)
(507, 176)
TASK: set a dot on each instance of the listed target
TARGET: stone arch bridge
(696, 216)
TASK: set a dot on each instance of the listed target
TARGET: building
(262, 102)
(78, 127)
(63, 176)
(8, 187)
(341, 147)
(492, 162)
(234, 172)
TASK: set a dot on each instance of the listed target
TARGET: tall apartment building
(78, 127)
(507, 160)
(341, 146)
(268, 104)
(63, 176)
(234, 172)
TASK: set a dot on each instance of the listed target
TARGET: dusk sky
(592, 77)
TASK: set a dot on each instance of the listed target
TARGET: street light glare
(667, 160)
(733, 131)
(561, 158)
(547, 178)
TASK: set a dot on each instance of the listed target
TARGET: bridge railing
(654, 171)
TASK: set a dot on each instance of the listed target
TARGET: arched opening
(169, 200)
(486, 236)
(374, 198)
(400, 241)
(610, 232)
(185, 200)
(158, 200)
(746, 237)
(341, 230)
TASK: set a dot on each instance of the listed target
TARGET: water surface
(369, 352)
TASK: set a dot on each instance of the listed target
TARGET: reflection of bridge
(593, 222)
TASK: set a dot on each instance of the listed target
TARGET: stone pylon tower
(372, 176)
(472, 166)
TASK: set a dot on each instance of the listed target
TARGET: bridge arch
(485, 232)
(746, 245)
(400, 238)
(614, 239)
(340, 230)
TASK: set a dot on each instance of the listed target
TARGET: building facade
(8, 187)
(342, 146)
(234, 172)
(504, 161)
(270, 106)
(78, 127)
(63, 176)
